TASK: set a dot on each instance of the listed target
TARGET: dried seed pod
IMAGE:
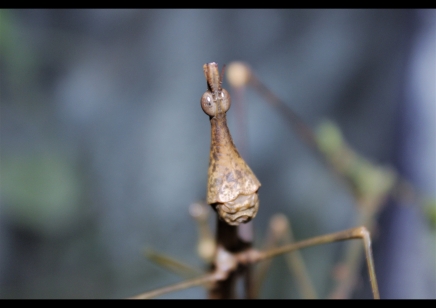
(232, 186)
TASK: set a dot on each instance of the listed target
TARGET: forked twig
(355, 233)
(227, 262)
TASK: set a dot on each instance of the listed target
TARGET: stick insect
(232, 192)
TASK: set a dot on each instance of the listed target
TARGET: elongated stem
(355, 233)
(240, 75)
(280, 231)
(206, 241)
(176, 287)
(228, 240)
(296, 264)
(172, 264)
(232, 188)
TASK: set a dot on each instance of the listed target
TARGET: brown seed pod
(232, 186)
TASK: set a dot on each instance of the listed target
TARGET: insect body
(232, 186)
(232, 191)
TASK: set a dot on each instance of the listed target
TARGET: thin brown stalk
(177, 287)
(355, 233)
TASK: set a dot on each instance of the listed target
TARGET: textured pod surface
(229, 175)
(232, 186)
(243, 209)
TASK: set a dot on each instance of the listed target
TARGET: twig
(176, 287)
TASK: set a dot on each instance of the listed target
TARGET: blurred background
(104, 145)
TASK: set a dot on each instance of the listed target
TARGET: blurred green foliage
(41, 192)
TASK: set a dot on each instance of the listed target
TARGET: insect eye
(207, 104)
(225, 100)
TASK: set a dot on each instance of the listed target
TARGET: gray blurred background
(104, 145)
